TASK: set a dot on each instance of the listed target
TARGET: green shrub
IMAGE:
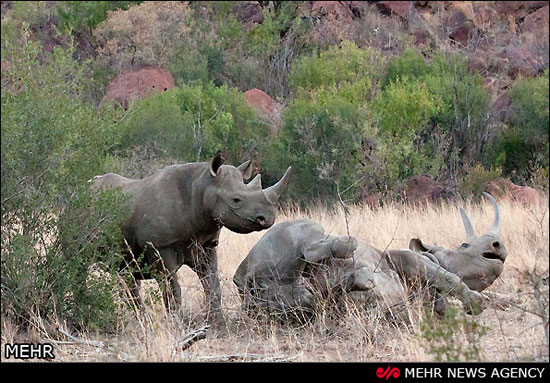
(410, 65)
(346, 69)
(403, 113)
(473, 184)
(52, 143)
(455, 338)
(322, 141)
(524, 147)
(192, 123)
(77, 15)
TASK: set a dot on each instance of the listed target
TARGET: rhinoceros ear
(216, 163)
(416, 245)
(246, 169)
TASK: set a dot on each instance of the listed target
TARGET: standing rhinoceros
(178, 213)
(295, 260)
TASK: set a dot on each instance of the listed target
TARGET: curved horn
(470, 233)
(495, 228)
(255, 184)
(273, 193)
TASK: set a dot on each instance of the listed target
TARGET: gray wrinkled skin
(178, 213)
(272, 276)
(295, 260)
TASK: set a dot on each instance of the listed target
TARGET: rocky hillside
(474, 71)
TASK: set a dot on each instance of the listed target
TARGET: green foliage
(323, 143)
(192, 123)
(74, 15)
(410, 65)
(402, 147)
(524, 147)
(454, 338)
(473, 184)
(52, 143)
(346, 69)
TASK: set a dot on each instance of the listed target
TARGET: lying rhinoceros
(295, 261)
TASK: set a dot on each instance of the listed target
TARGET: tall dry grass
(514, 327)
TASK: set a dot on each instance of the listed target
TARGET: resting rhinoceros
(178, 213)
(296, 261)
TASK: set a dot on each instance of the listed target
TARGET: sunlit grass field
(513, 328)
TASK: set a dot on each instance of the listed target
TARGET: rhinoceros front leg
(413, 266)
(204, 261)
(168, 267)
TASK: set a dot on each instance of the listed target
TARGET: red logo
(393, 372)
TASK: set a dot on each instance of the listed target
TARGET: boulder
(519, 60)
(260, 101)
(335, 8)
(249, 13)
(461, 22)
(138, 84)
(421, 190)
(536, 22)
(502, 188)
(399, 8)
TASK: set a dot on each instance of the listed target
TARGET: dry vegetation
(514, 321)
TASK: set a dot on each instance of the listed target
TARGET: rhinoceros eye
(237, 200)
(465, 245)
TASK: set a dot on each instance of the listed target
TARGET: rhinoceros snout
(265, 221)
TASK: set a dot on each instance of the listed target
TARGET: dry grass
(514, 330)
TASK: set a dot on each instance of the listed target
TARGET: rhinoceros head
(239, 207)
(479, 260)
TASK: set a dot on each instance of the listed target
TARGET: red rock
(421, 190)
(519, 8)
(264, 104)
(399, 8)
(460, 26)
(250, 13)
(259, 100)
(335, 8)
(501, 106)
(520, 61)
(138, 84)
(536, 21)
(506, 190)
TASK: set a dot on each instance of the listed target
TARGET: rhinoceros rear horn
(255, 184)
(273, 193)
(216, 163)
(470, 233)
(495, 228)
(246, 169)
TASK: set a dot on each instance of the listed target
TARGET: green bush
(322, 141)
(454, 338)
(52, 143)
(473, 184)
(410, 65)
(75, 15)
(403, 113)
(524, 147)
(350, 71)
(192, 123)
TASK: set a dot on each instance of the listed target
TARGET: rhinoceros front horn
(495, 228)
(273, 193)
